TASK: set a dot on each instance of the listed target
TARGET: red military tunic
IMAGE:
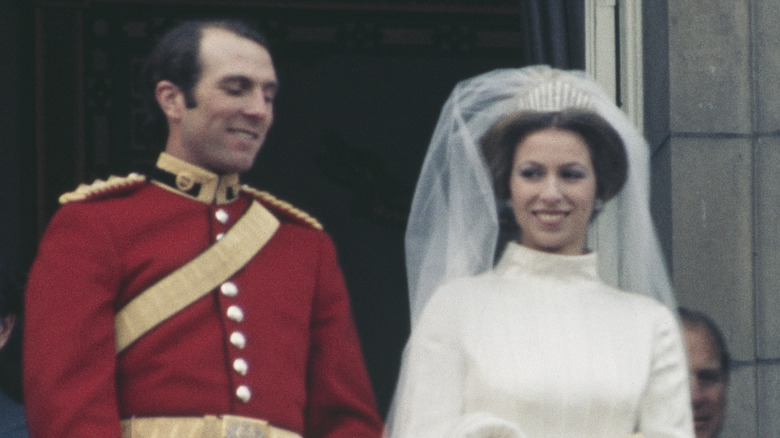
(275, 342)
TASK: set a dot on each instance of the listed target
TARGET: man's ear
(171, 99)
(6, 326)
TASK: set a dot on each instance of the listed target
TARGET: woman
(536, 345)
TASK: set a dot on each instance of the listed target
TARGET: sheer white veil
(453, 225)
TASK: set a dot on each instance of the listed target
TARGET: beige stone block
(767, 65)
(741, 411)
(709, 66)
(712, 267)
(768, 247)
(768, 400)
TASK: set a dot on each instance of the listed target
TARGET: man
(183, 304)
(709, 364)
(12, 421)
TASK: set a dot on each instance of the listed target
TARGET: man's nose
(697, 393)
(259, 106)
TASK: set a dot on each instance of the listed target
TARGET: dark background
(362, 83)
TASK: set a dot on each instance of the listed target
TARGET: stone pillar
(766, 181)
(723, 187)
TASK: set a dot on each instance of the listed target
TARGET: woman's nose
(551, 189)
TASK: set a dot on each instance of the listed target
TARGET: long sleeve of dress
(431, 389)
(665, 410)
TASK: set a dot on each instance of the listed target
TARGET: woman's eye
(573, 174)
(529, 173)
(234, 91)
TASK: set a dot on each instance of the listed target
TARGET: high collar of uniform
(195, 182)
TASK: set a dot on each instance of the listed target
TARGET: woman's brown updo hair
(604, 143)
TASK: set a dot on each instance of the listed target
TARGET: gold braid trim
(284, 207)
(101, 188)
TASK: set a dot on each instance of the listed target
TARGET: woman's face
(553, 191)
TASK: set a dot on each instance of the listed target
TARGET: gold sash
(197, 278)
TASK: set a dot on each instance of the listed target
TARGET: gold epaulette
(284, 207)
(100, 187)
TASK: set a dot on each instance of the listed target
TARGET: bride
(536, 344)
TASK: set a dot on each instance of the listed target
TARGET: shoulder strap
(100, 188)
(197, 278)
(284, 208)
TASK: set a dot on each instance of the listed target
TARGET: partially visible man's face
(709, 382)
(234, 104)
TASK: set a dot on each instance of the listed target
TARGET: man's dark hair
(695, 319)
(176, 58)
(607, 151)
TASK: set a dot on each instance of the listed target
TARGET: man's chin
(704, 429)
(236, 164)
(236, 169)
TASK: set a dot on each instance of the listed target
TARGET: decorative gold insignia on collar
(114, 184)
(185, 182)
(284, 207)
(195, 182)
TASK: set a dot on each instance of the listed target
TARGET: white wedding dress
(541, 347)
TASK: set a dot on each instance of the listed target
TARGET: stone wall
(717, 181)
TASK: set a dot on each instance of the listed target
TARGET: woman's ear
(598, 207)
(171, 99)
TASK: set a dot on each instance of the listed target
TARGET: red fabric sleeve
(340, 399)
(69, 354)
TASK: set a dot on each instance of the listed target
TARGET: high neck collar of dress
(195, 182)
(520, 259)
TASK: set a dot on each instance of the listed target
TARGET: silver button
(220, 236)
(235, 313)
(240, 366)
(243, 393)
(229, 289)
(238, 340)
(222, 216)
